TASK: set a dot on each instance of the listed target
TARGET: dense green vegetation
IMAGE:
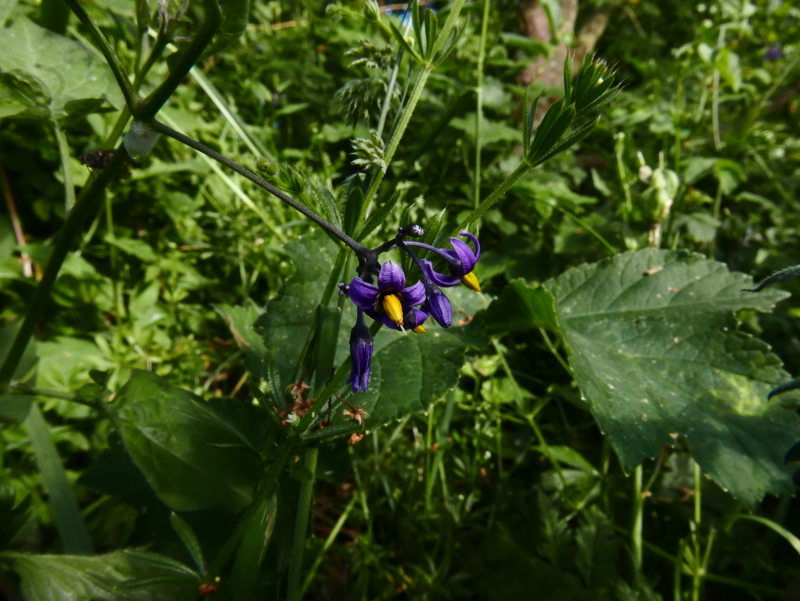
(176, 419)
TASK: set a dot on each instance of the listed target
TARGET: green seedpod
(352, 210)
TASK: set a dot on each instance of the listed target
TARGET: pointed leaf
(398, 35)
(187, 536)
(659, 356)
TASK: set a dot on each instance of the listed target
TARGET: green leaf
(288, 317)
(381, 213)
(187, 536)
(521, 307)
(64, 72)
(253, 547)
(67, 515)
(659, 356)
(240, 321)
(235, 14)
(352, 210)
(730, 68)
(174, 438)
(398, 35)
(131, 246)
(324, 201)
(13, 515)
(14, 408)
(100, 578)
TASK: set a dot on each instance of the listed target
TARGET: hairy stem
(495, 196)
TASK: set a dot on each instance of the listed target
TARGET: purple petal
(439, 278)
(465, 255)
(361, 345)
(477, 244)
(391, 277)
(364, 295)
(414, 318)
(413, 295)
(440, 307)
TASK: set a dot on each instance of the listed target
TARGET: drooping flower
(460, 261)
(438, 305)
(390, 301)
(361, 345)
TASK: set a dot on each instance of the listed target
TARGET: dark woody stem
(370, 256)
(438, 251)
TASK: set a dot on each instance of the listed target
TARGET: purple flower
(438, 305)
(461, 261)
(361, 345)
(773, 54)
(390, 301)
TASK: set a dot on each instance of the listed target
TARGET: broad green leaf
(659, 356)
(240, 321)
(521, 307)
(65, 73)
(101, 577)
(14, 408)
(288, 317)
(194, 453)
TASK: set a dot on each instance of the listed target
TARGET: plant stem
(183, 64)
(636, 529)
(397, 135)
(87, 204)
(715, 95)
(261, 183)
(495, 196)
(301, 525)
(132, 99)
(479, 102)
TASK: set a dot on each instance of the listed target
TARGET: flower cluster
(402, 307)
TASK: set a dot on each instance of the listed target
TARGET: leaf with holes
(657, 354)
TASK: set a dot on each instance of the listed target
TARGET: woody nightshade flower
(461, 261)
(361, 345)
(391, 299)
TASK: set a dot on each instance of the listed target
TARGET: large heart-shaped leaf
(45, 75)
(194, 453)
(657, 354)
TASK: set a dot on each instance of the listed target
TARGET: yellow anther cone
(471, 282)
(419, 330)
(393, 308)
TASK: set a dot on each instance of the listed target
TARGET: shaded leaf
(64, 71)
(99, 578)
(174, 438)
(658, 356)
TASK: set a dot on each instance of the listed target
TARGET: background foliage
(542, 448)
